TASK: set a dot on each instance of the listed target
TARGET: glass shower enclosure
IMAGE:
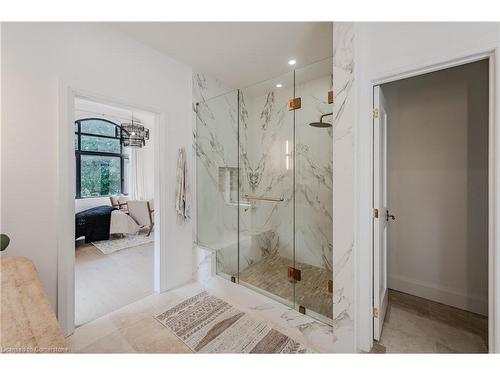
(264, 187)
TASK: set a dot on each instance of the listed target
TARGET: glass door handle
(388, 216)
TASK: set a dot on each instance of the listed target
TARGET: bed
(97, 223)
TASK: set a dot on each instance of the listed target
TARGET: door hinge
(294, 274)
(375, 113)
(330, 97)
(330, 286)
(302, 310)
(294, 104)
(375, 312)
(375, 213)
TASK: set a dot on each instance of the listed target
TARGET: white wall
(37, 58)
(437, 174)
(386, 49)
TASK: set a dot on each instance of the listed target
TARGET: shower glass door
(266, 217)
(264, 187)
(313, 190)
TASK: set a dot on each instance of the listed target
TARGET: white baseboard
(437, 293)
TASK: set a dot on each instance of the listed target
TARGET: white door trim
(66, 200)
(364, 230)
(380, 221)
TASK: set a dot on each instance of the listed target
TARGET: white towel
(183, 195)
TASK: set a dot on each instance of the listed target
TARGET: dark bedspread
(93, 223)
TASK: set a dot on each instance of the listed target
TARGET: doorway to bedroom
(114, 207)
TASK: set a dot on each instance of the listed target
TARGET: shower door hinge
(330, 97)
(330, 286)
(375, 213)
(375, 312)
(294, 274)
(302, 310)
(294, 104)
(375, 113)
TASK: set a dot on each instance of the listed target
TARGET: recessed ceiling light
(292, 62)
(279, 85)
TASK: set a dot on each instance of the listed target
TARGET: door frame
(364, 329)
(66, 207)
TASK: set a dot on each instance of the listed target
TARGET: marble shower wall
(206, 87)
(266, 169)
(215, 146)
(266, 133)
(343, 189)
(265, 128)
(313, 177)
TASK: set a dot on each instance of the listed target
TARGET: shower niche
(264, 187)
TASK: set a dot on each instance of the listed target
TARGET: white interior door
(381, 214)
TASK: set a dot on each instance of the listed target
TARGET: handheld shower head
(321, 124)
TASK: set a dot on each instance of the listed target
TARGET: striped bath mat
(208, 324)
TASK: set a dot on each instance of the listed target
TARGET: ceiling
(237, 53)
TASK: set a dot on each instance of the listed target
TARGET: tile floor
(271, 274)
(105, 283)
(133, 328)
(417, 325)
(412, 325)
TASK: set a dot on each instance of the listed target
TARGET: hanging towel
(183, 195)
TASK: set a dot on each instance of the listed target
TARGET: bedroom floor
(104, 283)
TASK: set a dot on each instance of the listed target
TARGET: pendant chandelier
(132, 134)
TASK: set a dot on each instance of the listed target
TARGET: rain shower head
(321, 124)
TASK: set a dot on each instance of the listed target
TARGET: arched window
(101, 163)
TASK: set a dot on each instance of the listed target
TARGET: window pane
(100, 176)
(91, 143)
(98, 127)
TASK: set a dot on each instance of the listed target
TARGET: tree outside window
(99, 158)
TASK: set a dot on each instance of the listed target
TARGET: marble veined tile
(344, 110)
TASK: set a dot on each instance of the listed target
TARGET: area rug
(207, 324)
(127, 241)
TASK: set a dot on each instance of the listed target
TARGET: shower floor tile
(271, 275)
